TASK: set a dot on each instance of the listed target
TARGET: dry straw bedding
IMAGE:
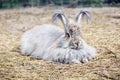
(103, 33)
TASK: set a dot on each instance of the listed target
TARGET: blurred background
(6, 4)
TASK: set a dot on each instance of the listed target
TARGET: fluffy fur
(49, 42)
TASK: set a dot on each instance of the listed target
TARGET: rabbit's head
(72, 28)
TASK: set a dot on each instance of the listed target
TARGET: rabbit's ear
(80, 14)
(59, 14)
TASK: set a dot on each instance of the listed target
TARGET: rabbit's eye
(71, 31)
(67, 35)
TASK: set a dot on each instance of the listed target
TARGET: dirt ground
(103, 33)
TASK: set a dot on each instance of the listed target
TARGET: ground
(103, 33)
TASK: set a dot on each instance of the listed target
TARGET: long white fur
(44, 42)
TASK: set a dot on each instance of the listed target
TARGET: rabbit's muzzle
(76, 44)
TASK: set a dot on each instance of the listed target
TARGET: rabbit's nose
(76, 45)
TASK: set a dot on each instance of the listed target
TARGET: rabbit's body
(50, 42)
(46, 42)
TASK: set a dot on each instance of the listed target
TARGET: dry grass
(103, 33)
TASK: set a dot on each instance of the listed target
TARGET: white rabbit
(50, 42)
